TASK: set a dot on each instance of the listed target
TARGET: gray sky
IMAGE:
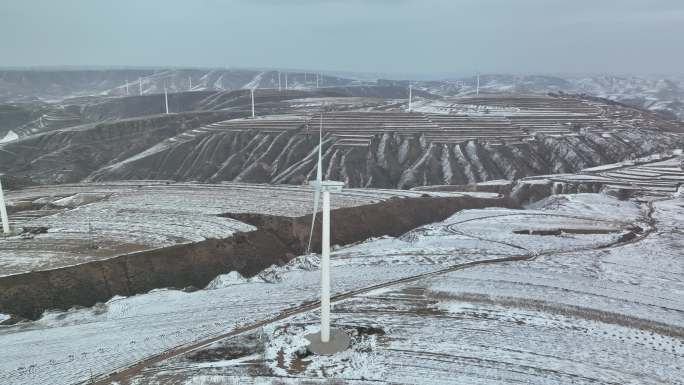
(390, 36)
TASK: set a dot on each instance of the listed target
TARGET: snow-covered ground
(581, 311)
(577, 316)
(87, 222)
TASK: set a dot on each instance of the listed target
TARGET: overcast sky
(388, 36)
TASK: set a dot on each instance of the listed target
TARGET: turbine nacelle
(327, 185)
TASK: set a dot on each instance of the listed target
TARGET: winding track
(126, 374)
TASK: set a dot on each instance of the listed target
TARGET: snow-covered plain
(124, 217)
(575, 313)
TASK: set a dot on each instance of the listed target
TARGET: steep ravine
(277, 240)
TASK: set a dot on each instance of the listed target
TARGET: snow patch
(80, 199)
(9, 137)
(231, 279)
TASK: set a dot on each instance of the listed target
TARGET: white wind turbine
(410, 96)
(252, 94)
(326, 341)
(3, 213)
(166, 98)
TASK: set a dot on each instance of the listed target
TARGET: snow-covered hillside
(663, 94)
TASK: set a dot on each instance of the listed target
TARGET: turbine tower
(279, 84)
(285, 81)
(166, 98)
(410, 96)
(3, 212)
(478, 84)
(126, 86)
(252, 94)
(326, 341)
(140, 86)
(190, 83)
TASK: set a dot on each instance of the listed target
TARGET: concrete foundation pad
(339, 342)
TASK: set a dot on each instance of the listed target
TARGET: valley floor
(578, 289)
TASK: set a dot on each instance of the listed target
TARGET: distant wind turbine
(189, 83)
(478, 84)
(3, 212)
(166, 98)
(286, 81)
(140, 86)
(279, 87)
(252, 94)
(410, 96)
(126, 86)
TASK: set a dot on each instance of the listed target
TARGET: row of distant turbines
(318, 79)
(252, 90)
(166, 95)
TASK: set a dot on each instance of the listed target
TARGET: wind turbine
(3, 213)
(166, 98)
(251, 91)
(140, 86)
(326, 341)
(478, 84)
(126, 86)
(410, 96)
(317, 79)
(286, 81)
(279, 86)
(190, 83)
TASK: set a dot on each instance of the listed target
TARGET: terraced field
(656, 174)
(371, 141)
(399, 149)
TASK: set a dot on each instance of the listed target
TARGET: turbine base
(339, 342)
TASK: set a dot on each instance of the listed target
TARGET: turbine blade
(319, 167)
(317, 194)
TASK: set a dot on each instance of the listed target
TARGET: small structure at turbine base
(339, 341)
